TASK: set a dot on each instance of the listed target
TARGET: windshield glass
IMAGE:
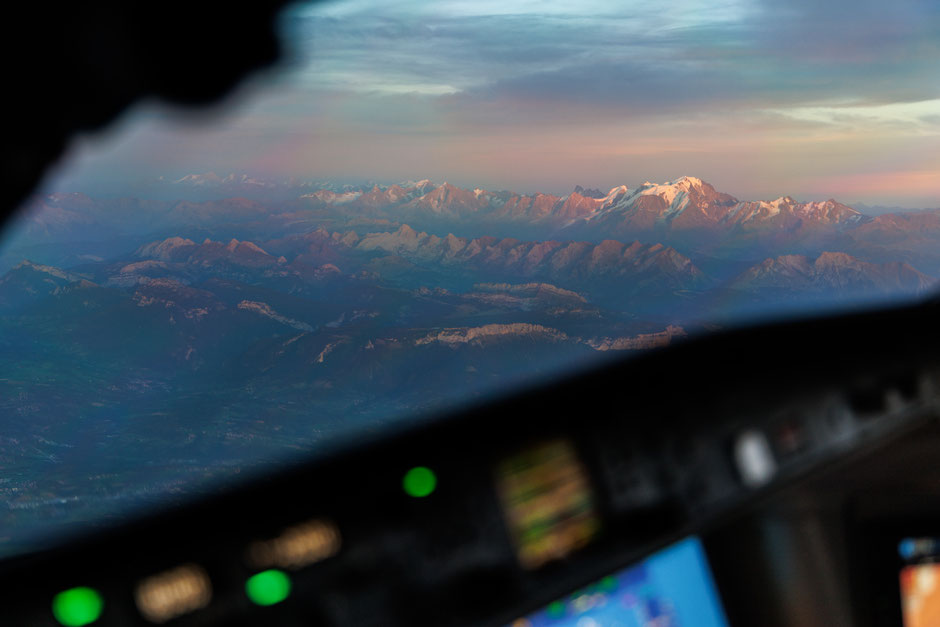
(432, 204)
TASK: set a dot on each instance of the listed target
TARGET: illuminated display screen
(548, 502)
(920, 581)
(920, 595)
(672, 588)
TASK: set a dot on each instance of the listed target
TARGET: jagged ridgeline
(214, 322)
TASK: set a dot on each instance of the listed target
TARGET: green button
(77, 606)
(268, 587)
(419, 482)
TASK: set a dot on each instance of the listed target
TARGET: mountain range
(687, 214)
(685, 204)
(152, 342)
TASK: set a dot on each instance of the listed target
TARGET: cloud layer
(761, 97)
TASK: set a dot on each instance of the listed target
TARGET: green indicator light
(556, 609)
(419, 482)
(268, 587)
(77, 606)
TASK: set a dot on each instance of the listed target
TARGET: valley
(153, 347)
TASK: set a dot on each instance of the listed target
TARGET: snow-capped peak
(689, 180)
(617, 191)
(415, 184)
(670, 190)
(200, 179)
(684, 183)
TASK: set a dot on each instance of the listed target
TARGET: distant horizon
(813, 100)
(139, 188)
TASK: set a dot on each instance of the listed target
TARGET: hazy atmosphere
(816, 100)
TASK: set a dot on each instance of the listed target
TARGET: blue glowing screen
(671, 588)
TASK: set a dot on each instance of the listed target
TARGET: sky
(762, 98)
